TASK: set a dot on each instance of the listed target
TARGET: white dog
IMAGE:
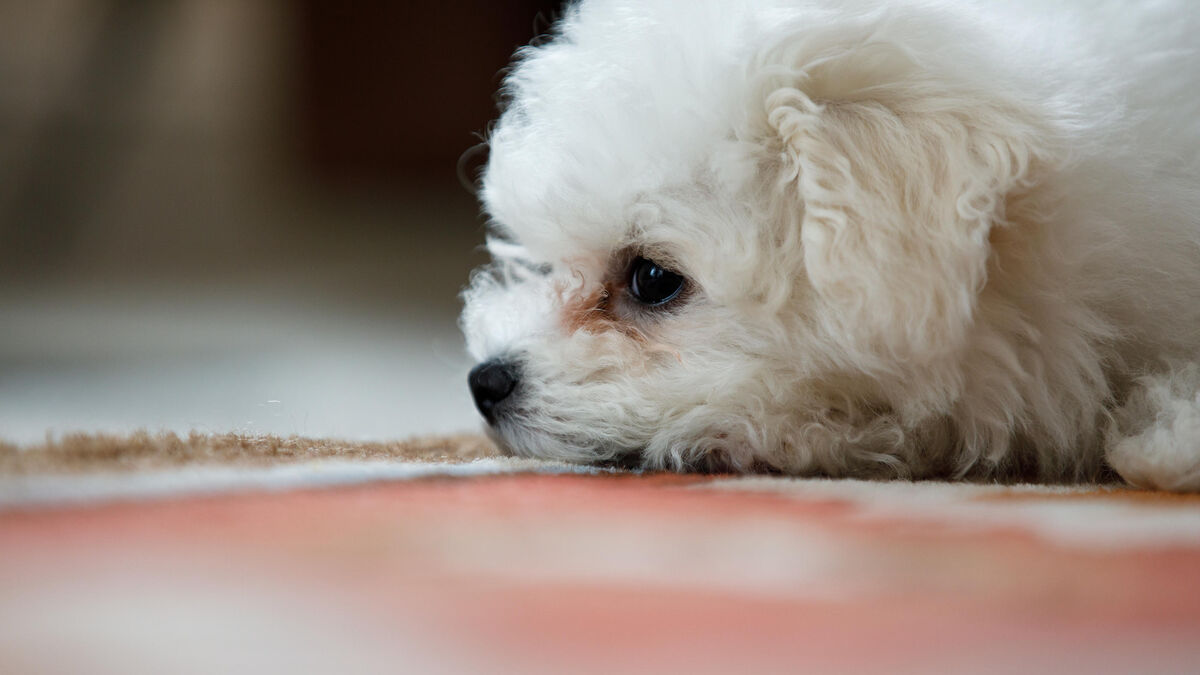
(849, 238)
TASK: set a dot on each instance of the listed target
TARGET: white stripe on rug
(1081, 516)
(65, 489)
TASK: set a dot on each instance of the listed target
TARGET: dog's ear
(897, 181)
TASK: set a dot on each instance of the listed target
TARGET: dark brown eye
(652, 284)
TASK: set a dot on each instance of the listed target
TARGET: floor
(194, 358)
(345, 328)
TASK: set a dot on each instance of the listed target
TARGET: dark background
(212, 208)
(388, 90)
(177, 109)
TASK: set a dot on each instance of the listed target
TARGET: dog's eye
(652, 284)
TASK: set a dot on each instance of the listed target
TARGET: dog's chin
(499, 440)
(515, 438)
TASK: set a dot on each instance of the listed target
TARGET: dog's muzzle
(492, 382)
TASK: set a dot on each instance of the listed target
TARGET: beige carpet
(88, 453)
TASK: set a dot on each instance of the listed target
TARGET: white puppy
(849, 238)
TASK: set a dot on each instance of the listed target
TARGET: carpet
(158, 553)
(82, 453)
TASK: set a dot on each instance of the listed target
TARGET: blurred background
(242, 216)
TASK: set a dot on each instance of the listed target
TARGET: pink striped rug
(386, 564)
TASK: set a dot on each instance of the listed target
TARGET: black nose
(491, 382)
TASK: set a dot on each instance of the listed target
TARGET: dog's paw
(1154, 438)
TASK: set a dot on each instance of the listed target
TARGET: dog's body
(939, 239)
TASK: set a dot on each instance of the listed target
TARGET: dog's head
(721, 245)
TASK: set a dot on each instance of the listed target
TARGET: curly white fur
(922, 239)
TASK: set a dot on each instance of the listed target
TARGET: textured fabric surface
(500, 565)
(81, 453)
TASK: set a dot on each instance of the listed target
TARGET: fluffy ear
(897, 179)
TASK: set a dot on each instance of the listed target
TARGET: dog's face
(593, 336)
(716, 253)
